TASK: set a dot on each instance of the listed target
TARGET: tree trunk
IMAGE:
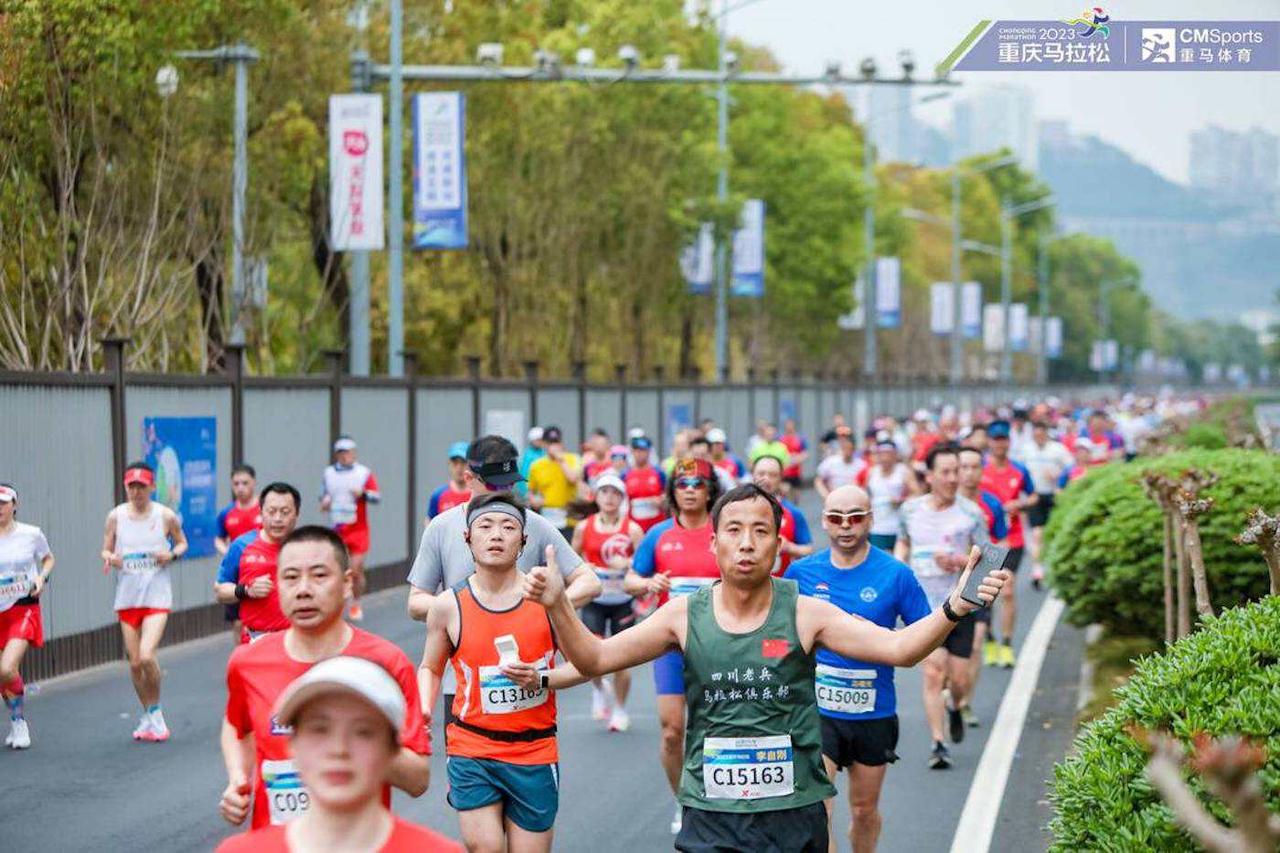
(209, 289)
(1170, 618)
(1184, 577)
(1195, 556)
(686, 346)
(328, 263)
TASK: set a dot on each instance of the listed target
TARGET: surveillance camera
(548, 61)
(868, 68)
(585, 57)
(629, 56)
(489, 53)
(730, 61)
(671, 63)
(832, 71)
(167, 81)
(907, 61)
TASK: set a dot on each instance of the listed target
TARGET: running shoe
(1007, 659)
(677, 820)
(143, 731)
(356, 612)
(990, 653)
(8, 739)
(599, 704)
(970, 719)
(159, 731)
(19, 735)
(619, 720)
(1037, 575)
(939, 757)
(955, 723)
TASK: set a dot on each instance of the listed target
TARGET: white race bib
(846, 691)
(287, 797)
(341, 513)
(747, 768)
(611, 581)
(501, 695)
(681, 587)
(138, 564)
(643, 509)
(922, 562)
(15, 582)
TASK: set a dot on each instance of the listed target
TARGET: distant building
(995, 118)
(1235, 165)
(900, 136)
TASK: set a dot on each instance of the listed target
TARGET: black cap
(552, 434)
(494, 460)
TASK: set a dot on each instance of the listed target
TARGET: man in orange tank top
(503, 758)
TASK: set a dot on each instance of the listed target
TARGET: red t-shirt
(787, 531)
(1007, 482)
(594, 469)
(405, 838)
(922, 443)
(794, 444)
(644, 493)
(234, 522)
(684, 554)
(256, 676)
(257, 560)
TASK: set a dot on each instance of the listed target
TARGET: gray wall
(378, 419)
(286, 437)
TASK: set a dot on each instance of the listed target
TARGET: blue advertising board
(184, 454)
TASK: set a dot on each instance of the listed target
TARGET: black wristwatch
(242, 591)
(948, 612)
(546, 682)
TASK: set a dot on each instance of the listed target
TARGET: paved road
(86, 785)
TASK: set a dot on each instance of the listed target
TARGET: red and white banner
(355, 172)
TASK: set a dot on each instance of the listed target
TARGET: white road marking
(982, 806)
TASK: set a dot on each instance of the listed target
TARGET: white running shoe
(620, 720)
(8, 739)
(143, 731)
(19, 735)
(677, 821)
(159, 731)
(599, 704)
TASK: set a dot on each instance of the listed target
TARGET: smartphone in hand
(993, 557)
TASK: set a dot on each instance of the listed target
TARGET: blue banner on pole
(888, 293)
(439, 171)
(748, 251)
(696, 261)
(184, 454)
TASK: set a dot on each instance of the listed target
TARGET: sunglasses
(691, 483)
(838, 519)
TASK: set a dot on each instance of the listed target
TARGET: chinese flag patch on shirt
(774, 648)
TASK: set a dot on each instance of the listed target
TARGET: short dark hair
(279, 488)
(944, 449)
(772, 458)
(140, 464)
(600, 431)
(1040, 424)
(319, 533)
(491, 448)
(244, 468)
(509, 498)
(699, 439)
(746, 492)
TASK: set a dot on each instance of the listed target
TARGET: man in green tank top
(753, 778)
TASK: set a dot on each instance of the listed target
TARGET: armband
(242, 591)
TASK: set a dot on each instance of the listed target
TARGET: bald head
(847, 498)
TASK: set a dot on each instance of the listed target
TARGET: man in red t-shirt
(314, 579)
(455, 491)
(1010, 482)
(243, 513)
(646, 485)
(248, 571)
(798, 448)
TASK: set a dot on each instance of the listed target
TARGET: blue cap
(998, 429)
(458, 450)
(641, 442)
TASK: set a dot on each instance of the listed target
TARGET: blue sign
(748, 251)
(696, 261)
(786, 409)
(439, 171)
(184, 454)
(678, 417)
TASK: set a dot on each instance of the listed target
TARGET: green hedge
(1223, 679)
(1104, 541)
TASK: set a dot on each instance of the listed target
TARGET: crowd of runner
(541, 569)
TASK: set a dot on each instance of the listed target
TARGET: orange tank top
(495, 718)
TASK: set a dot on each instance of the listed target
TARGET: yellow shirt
(547, 479)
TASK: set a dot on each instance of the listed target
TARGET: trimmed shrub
(1209, 436)
(1104, 545)
(1224, 679)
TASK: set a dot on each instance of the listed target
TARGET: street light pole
(1006, 289)
(957, 334)
(1042, 287)
(869, 318)
(358, 361)
(722, 195)
(395, 200)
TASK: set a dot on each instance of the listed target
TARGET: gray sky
(1148, 114)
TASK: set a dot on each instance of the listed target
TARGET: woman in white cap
(346, 714)
(25, 565)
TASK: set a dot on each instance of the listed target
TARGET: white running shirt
(886, 490)
(21, 551)
(931, 532)
(141, 581)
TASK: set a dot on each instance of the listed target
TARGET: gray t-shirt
(444, 558)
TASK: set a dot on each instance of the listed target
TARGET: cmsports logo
(1158, 44)
(1093, 21)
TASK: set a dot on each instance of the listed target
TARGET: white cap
(715, 435)
(635, 432)
(7, 495)
(535, 433)
(344, 443)
(357, 677)
(610, 480)
(920, 415)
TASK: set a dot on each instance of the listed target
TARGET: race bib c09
(138, 564)
(845, 691)
(287, 797)
(16, 580)
(747, 768)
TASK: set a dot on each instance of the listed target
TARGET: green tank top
(753, 740)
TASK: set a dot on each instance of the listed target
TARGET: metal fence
(67, 437)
